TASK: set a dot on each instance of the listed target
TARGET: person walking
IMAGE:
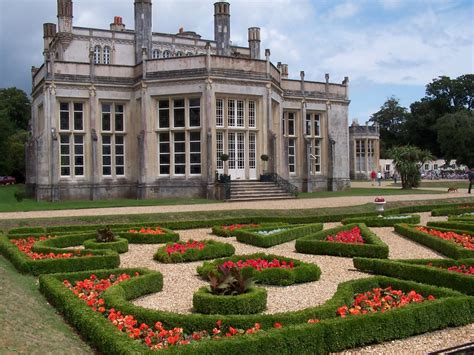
(395, 177)
(471, 180)
(373, 175)
(379, 178)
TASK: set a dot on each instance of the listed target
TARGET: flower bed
(299, 272)
(428, 271)
(227, 231)
(253, 301)
(452, 224)
(453, 210)
(353, 236)
(120, 245)
(149, 235)
(193, 251)
(318, 243)
(462, 239)
(266, 237)
(381, 300)
(41, 259)
(383, 221)
(442, 242)
(320, 325)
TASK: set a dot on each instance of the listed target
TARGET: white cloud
(344, 10)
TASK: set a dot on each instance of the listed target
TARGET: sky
(386, 47)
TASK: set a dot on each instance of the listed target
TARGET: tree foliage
(456, 137)
(391, 119)
(408, 160)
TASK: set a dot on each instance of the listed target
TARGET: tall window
(252, 121)
(370, 154)
(231, 113)
(219, 149)
(113, 139)
(240, 113)
(71, 141)
(219, 112)
(166, 54)
(97, 54)
(252, 150)
(292, 155)
(291, 123)
(313, 133)
(179, 136)
(360, 155)
(106, 55)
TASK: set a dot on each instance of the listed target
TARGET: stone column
(268, 132)
(142, 144)
(304, 169)
(54, 162)
(211, 166)
(366, 142)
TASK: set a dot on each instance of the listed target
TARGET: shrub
(445, 247)
(332, 334)
(317, 244)
(105, 235)
(383, 221)
(210, 250)
(120, 245)
(453, 210)
(420, 271)
(20, 195)
(146, 238)
(287, 233)
(452, 224)
(250, 302)
(301, 271)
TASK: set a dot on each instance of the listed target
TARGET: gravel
(181, 281)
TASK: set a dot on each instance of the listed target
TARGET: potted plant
(106, 239)
(379, 204)
(230, 292)
(265, 176)
(224, 177)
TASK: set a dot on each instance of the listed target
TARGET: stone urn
(379, 204)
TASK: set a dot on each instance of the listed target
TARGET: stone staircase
(257, 190)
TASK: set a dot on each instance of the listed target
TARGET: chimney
(117, 25)
(284, 71)
(49, 31)
(222, 27)
(143, 21)
(65, 16)
(254, 42)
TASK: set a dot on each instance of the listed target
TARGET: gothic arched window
(179, 54)
(106, 55)
(166, 54)
(97, 52)
(155, 54)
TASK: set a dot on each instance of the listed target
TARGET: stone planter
(120, 245)
(379, 206)
(253, 301)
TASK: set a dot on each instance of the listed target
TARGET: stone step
(260, 198)
(273, 193)
(256, 189)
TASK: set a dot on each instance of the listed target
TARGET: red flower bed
(381, 300)
(25, 245)
(467, 207)
(233, 227)
(465, 240)
(462, 269)
(259, 264)
(143, 230)
(347, 236)
(156, 336)
(183, 247)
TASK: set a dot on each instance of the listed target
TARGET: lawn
(8, 203)
(29, 323)
(460, 184)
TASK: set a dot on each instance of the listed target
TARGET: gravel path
(181, 280)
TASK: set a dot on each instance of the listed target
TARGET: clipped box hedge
(300, 273)
(120, 245)
(289, 233)
(445, 247)
(222, 231)
(452, 210)
(146, 238)
(418, 270)
(211, 250)
(332, 334)
(383, 221)
(452, 224)
(373, 247)
(251, 302)
(24, 264)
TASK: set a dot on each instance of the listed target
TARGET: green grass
(460, 184)
(29, 324)
(362, 191)
(8, 203)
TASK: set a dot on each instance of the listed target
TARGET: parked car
(7, 180)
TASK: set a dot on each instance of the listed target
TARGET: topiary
(105, 235)
(229, 281)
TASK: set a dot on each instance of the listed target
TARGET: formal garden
(267, 283)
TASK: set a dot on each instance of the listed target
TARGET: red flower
(277, 325)
(347, 236)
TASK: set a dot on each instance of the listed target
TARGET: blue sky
(386, 47)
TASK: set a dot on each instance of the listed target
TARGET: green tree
(407, 160)
(456, 137)
(16, 105)
(391, 119)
